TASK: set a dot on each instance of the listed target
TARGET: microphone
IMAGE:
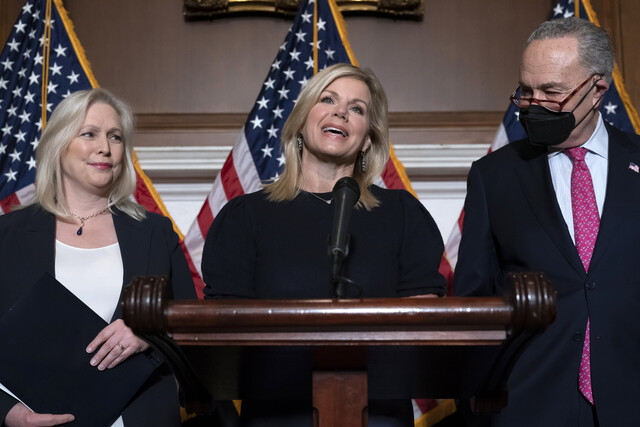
(346, 194)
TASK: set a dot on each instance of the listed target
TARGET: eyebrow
(546, 86)
(90, 126)
(351, 101)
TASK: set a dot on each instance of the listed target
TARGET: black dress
(256, 248)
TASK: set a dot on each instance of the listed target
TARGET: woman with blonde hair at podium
(273, 244)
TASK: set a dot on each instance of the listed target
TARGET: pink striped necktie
(586, 222)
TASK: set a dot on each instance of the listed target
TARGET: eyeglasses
(524, 102)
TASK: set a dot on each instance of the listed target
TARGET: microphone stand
(346, 193)
(340, 283)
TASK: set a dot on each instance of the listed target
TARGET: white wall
(437, 172)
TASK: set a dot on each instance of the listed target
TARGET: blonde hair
(287, 186)
(62, 128)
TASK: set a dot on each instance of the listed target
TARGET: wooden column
(340, 398)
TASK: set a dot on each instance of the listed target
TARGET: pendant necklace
(85, 218)
(320, 198)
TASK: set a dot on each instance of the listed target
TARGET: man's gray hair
(594, 46)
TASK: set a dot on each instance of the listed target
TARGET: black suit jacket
(513, 223)
(148, 247)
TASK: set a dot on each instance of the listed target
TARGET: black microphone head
(349, 186)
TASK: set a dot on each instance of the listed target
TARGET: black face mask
(548, 128)
(545, 127)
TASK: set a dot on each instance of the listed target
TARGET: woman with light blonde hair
(371, 158)
(84, 229)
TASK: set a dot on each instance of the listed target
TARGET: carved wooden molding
(424, 161)
(432, 146)
(529, 304)
(207, 9)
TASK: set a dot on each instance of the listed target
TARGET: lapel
(620, 182)
(40, 240)
(535, 180)
(134, 239)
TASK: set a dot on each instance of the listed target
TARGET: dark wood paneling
(628, 53)
(4, 19)
(620, 18)
(463, 56)
(9, 12)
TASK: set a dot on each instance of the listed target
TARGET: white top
(93, 275)
(597, 160)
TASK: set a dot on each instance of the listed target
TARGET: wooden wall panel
(462, 56)
(9, 10)
(4, 21)
(620, 18)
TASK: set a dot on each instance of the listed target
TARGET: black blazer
(148, 247)
(513, 223)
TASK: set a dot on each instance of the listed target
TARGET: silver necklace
(85, 218)
(320, 198)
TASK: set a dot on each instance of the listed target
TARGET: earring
(363, 161)
(300, 142)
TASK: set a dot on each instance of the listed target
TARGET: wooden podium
(192, 334)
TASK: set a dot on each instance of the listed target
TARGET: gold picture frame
(209, 9)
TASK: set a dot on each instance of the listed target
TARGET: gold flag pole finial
(46, 43)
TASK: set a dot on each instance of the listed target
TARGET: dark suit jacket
(148, 247)
(513, 223)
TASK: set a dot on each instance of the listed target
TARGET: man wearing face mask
(566, 202)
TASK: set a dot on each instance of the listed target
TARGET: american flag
(615, 108)
(41, 64)
(316, 39)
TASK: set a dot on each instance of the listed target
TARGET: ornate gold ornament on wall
(208, 9)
